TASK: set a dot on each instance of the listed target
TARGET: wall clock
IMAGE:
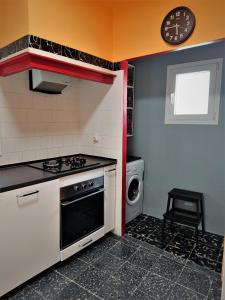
(178, 25)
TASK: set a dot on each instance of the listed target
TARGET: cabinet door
(110, 197)
(29, 233)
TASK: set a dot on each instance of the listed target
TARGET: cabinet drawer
(88, 240)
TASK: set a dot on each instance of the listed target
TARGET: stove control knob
(84, 186)
(76, 188)
(91, 183)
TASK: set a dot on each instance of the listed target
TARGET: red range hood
(27, 61)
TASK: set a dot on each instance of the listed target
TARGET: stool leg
(168, 204)
(198, 216)
(203, 225)
(171, 222)
(171, 226)
(203, 219)
(196, 234)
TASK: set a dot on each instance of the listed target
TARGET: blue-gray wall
(184, 156)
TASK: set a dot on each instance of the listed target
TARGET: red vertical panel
(124, 67)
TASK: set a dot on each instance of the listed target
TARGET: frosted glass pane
(192, 93)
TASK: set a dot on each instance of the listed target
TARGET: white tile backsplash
(101, 116)
(36, 125)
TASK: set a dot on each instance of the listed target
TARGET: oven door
(81, 216)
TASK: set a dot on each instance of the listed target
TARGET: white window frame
(215, 68)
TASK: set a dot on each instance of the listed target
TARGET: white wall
(35, 125)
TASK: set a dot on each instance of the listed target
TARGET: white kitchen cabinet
(109, 197)
(29, 233)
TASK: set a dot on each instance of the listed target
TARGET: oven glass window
(80, 217)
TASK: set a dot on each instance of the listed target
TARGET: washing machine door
(134, 186)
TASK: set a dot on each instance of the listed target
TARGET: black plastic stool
(187, 217)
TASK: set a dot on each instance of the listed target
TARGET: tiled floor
(130, 268)
(180, 242)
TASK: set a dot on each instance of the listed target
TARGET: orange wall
(81, 24)
(111, 29)
(137, 25)
(13, 20)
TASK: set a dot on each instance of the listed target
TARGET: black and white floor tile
(133, 267)
(179, 242)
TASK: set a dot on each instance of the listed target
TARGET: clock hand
(174, 26)
(177, 26)
(170, 26)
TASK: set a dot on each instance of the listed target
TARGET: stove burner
(65, 163)
(50, 165)
(73, 162)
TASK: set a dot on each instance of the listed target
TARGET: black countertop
(21, 175)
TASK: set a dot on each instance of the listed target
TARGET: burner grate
(64, 164)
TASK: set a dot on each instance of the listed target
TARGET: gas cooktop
(64, 163)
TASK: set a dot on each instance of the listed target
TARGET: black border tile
(36, 42)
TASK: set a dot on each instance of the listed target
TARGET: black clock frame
(189, 34)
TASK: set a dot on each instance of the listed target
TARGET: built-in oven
(82, 211)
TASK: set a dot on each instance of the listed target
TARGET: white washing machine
(134, 189)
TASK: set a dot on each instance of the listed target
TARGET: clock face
(178, 25)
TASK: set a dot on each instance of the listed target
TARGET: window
(193, 92)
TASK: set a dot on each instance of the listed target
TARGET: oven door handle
(66, 203)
